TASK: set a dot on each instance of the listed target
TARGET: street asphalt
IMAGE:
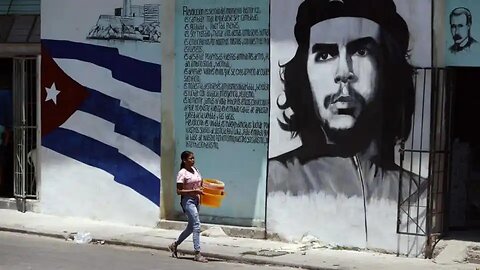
(31, 252)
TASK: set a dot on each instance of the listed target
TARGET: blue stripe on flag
(138, 73)
(100, 105)
(137, 127)
(105, 157)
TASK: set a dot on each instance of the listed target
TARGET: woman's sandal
(173, 249)
(199, 258)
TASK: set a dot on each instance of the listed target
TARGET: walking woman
(189, 186)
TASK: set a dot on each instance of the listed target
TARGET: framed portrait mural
(462, 33)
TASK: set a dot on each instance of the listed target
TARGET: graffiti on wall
(347, 99)
(100, 119)
(462, 32)
(222, 99)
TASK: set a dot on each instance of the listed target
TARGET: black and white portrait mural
(462, 31)
(343, 93)
(460, 26)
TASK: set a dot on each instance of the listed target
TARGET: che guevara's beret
(383, 12)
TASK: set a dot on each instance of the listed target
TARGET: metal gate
(427, 154)
(25, 83)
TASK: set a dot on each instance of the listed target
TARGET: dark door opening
(464, 190)
(6, 127)
(18, 128)
(25, 95)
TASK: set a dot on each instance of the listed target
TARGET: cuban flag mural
(100, 110)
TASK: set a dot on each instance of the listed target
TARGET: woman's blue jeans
(190, 207)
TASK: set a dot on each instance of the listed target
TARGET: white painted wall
(338, 221)
(85, 191)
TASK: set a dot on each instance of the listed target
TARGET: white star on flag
(52, 93)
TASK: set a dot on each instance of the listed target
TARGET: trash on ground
(266, 253)
(215, 231)
(98, 242)
(80, 237)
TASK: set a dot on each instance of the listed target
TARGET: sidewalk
(217, 245)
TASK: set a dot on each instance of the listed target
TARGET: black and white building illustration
(130, 22)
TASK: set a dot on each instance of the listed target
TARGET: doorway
(6, 127)
(18, 129)
(464, 190)
(25, 96)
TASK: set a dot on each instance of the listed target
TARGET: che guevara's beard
(345, 101)
(364, 130)
(341, 104)
(350, 105)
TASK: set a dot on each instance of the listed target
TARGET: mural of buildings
(131, 22)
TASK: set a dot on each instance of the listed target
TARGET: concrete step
(11, 204)
(232, 231)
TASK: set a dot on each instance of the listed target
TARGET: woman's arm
(191, 192)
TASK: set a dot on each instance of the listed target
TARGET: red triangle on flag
(71, 95)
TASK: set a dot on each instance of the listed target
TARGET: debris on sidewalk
(98, 242)
(266, 253)
(82, 238)
(311, 242)
(473, 254)
(308, 242)
(215, 231)
(79, 237)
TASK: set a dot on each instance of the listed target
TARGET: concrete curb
(224, 257)
(229, 258)
(22, 231)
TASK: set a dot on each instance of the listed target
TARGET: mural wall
(100, 93)
(343, 94)
(222, 101)
(462, 32)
